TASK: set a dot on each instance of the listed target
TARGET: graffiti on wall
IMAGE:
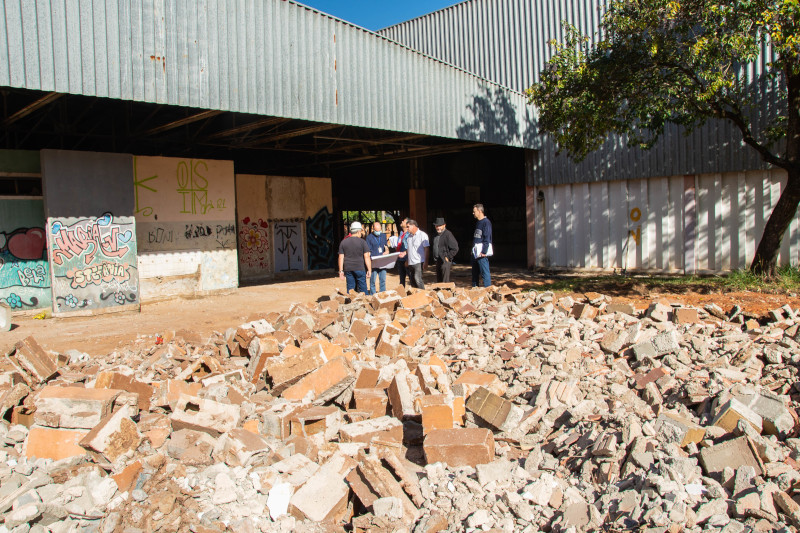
(184, 204)
(288, 246)
(93, 262)
(319, 240)
(24, 273)
(254, 243)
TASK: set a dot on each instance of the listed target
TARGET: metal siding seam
(87, 48)
(259, 30)
(378, 71)
(136, 53)
(168, 72)
(148, 29)
(203, 54)
(30, 45)
(223, 58)
(113, 37)
(16, 48)
(46, 57)
(233, 61)
(181, 43)
(251, 65)
(193, 59)
(5, 73)
(58, 18)
(100, 46)
(74, 46)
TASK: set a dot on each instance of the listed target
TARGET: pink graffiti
(253, 242)
(101, 273)
(87, 240)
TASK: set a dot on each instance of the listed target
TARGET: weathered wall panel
(186, 225)
(93, 264)
(285, 225)
(706, 223)
(24, 270)
(255, 235)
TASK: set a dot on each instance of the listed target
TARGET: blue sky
(378, 14)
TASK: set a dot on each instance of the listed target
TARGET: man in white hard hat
(355, 264)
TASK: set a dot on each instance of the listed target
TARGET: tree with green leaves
(655, 62)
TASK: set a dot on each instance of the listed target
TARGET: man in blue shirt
(481, 247)
(377, 246)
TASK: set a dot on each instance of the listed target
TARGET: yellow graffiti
(635, 215)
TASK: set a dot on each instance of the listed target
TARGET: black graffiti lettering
(159, 235)
(196, 231)
(225, 229)
(319, 240)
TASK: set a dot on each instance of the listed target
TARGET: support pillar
(530, 224)
(418, 208)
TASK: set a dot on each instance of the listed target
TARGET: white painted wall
(704, 223)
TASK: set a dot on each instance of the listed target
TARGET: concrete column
(418, 208)
(530, 223)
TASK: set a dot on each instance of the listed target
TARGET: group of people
(414, 250)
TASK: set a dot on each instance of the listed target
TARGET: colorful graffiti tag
(319, 240)
(93, 261)
(254, 243)
(24, 274)
(88, 238)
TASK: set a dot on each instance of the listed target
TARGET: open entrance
(283, 188)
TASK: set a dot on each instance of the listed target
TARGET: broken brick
(205, 415)
(39, 366)
(329, 381)
(53, 443)
(494, 410)
(114, 436)
(73, 407)
(459, 446)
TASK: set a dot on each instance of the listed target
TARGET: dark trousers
(443, 271)
(401, 271)
(480, 269)
(415, 275)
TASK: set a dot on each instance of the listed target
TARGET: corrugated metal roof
(268, 57)
(506, 42)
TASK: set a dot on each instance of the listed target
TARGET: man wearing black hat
(445, 248)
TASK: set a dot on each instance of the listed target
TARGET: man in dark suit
(445, 248)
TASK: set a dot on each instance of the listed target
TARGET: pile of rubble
(444, 409)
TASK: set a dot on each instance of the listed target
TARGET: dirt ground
(99, 335)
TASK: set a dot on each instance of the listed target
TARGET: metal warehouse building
(161, 147)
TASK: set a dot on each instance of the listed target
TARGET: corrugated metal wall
(269, 57)
(506, 42)
(705, 223)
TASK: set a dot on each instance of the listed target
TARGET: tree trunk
(765, 261)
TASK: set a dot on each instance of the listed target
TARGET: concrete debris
(415, 410)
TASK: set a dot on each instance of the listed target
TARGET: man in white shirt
(418, 249)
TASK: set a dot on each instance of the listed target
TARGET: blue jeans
(480, 268)
(356, 279)
(379, 273)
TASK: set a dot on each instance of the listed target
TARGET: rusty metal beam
(250, 126)
(183, 122)
(282, 136)
(30, 108)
